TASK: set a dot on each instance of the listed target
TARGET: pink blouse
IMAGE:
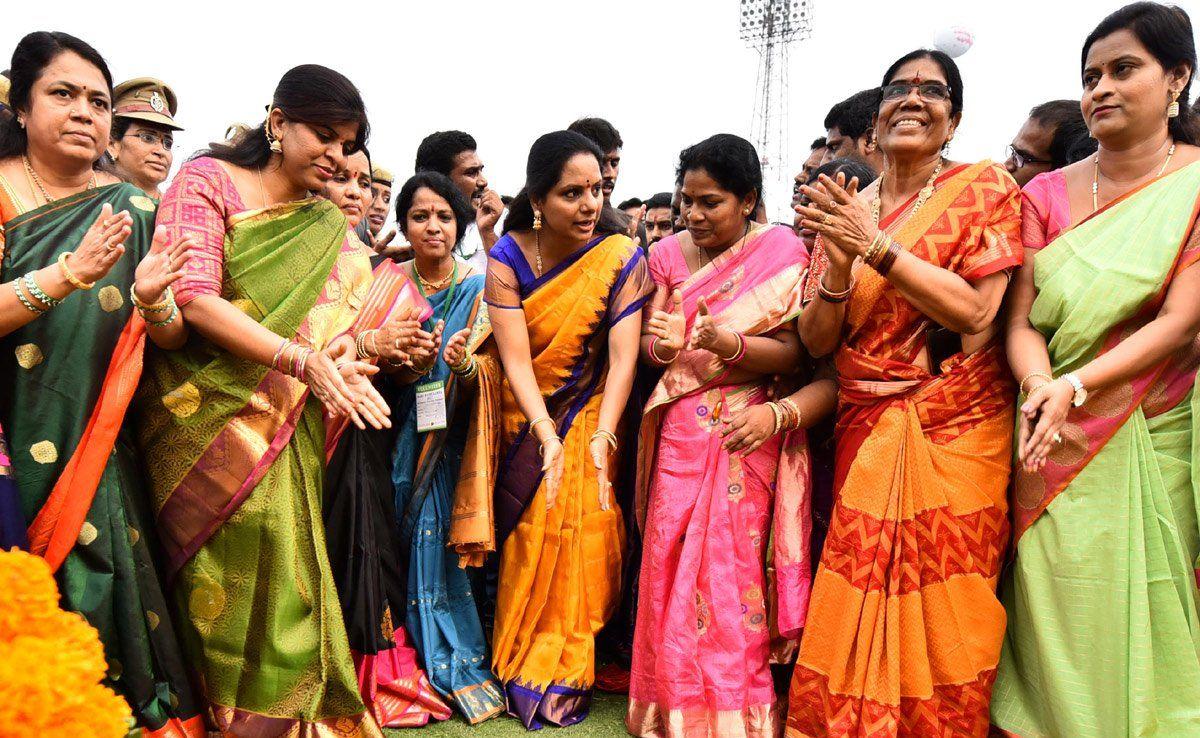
(199, 203)
(1045, 209)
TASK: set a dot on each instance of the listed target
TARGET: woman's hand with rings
(1042, 417)
(102, 245)
(837, 213)
(748, 429)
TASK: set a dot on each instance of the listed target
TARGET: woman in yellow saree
(235, 420)
(564, 291)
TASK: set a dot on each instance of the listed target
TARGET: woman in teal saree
(442, 614)
(1103, 609)
(77, 249)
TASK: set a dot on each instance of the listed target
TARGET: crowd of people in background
(922, 462)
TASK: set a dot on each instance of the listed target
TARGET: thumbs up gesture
(704, 329)
(669, 327)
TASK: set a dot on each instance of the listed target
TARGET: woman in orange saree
(904, 627)
(564, 291)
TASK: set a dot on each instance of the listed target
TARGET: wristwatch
(1080, 393)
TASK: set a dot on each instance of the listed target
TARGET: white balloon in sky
(954, 40)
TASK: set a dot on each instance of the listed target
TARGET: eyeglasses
(1022, 159)
(929, 91)
(150, 138)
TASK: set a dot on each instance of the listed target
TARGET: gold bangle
(796, 418)
(778, 416)
(533, 424)
(158, 307)
(68, 275)
(1032, 375)
(542, 445)
(608, 436)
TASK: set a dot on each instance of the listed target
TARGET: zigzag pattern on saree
(932, 547)
(953, 711)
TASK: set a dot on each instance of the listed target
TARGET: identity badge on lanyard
(431, 406)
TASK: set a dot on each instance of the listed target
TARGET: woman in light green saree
(235, 421)
(1103, 625)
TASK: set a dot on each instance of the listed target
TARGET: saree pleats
(1104, 612)
(442, 614)
(703, 639)
(559, 576)
(239, 489)
(904, 626)
(78, 481)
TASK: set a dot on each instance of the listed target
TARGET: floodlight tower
(770, 27)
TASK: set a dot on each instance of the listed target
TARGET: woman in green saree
(1103, 625)
(79, 250)
(236, 419)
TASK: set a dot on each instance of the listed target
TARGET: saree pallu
(237, 485)
(1103, 626)
(560, 568)
(442, 615)
(703, 639)
(69, 377)
(904, 627)
(364, 549)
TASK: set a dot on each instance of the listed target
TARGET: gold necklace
(37, 181)
(441, 283)
(1096, 175)
(925, 193)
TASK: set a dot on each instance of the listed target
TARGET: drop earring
(272, 142)
(1173, 108)
(537, 220)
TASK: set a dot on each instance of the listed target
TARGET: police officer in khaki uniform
(381, 199)
(143, 133)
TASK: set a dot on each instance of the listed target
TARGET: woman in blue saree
(442, 617)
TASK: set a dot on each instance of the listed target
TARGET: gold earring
(272, 142)
(1173, 108)
(537, 220)
(21, 122)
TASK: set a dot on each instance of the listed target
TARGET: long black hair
(309, 93)
(1166, 32)
(948, 66)
(440, 184)
(33, 54)
(547, 158)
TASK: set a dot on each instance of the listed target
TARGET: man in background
(1045, 140)
(454, 154)
(604, 135)
(631, 207)
(849, 133)
(659, 220)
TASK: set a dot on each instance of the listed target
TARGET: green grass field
(607, 720)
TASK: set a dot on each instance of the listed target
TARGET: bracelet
(794, 417)
(834, 297)
(36, 291)
(542, 445)
(654, 353)
(740, 353)
(471, 372)
(466, 366)
(161, 323)
(360, 345)
(69, 275)
(167, 301)
(533, 424)
(778, 416)
(888, 259)
(875, 250)
(302, 367)
(1030, 376)
(25, 300)
(278, 354)
(608, 436)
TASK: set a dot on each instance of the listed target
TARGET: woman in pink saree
(719, 484)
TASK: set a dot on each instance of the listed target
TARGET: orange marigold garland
(51, 661)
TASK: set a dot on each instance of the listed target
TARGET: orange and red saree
(904, 627)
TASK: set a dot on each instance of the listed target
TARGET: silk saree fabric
(1103, 629)
(239, 455)
(443, 616)
(559, 576)
(702, 645)
(69, 377)
(904, 627)
(363, 542)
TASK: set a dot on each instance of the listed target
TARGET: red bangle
(654, 353)
(741, 350)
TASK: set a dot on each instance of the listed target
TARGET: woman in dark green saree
(80, 251)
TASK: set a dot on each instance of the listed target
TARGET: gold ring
(1058, 438)
(825, 218)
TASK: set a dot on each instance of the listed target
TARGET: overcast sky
(667, 73)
